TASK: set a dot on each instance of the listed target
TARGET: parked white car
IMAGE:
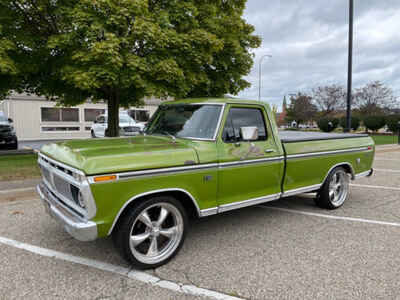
(127, 125)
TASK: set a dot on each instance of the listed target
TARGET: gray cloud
(308, 41)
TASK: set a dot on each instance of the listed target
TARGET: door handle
(269, 150)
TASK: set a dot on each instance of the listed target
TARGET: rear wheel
(152, 233)
(92, 133)
(335, 190)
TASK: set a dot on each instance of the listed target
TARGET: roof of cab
(215, 100)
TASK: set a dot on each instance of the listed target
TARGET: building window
(55, 114)
(50, 114)
(59, 128)
(92, 113)
(88, 128)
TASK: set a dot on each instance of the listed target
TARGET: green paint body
(223, 185)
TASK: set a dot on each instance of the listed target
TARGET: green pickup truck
(196, 158)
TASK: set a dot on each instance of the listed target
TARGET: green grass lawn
(16, 167)
(384, 139)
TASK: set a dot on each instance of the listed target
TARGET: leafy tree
(374, 123)
(374, 99)
(301, 109)
(328, 124)
(329, 99)
(120, 51)
(355, 122)
(392, 123)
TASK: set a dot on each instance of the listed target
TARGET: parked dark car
(8, 137)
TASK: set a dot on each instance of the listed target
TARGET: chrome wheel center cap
(155, 231)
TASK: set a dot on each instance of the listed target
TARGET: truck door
(250, 172)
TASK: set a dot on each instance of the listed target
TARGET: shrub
(355, 122)
(374, 123)
(392, 123)
(328, 124)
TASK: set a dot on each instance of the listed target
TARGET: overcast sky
(308, 41)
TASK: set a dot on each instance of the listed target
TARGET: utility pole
(350, 67)
(259, 75)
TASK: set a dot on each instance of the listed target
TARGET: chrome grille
(46, 175)
(131, 129)
(63, 187)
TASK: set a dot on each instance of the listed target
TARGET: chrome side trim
(208, 212)
(249, 162)
(364, 174)
(250, 202)
(150, 193)
(301, 190)
(128, 175)
(198, 167)
(294, 156)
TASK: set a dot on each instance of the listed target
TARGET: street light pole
(350, 67)
(259, 75)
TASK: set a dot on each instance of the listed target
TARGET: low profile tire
(92, 133)
(152, 233)
(335, 190)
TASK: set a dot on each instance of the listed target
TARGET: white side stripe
(375, 187)
(127, 272)
(306, 213)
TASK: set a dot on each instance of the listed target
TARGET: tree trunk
(113, 116)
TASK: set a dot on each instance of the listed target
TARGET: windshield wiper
(170, 135)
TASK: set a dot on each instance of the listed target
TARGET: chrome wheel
(156, 233)
(338, 188)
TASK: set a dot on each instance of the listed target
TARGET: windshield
(3, 119)
(186, 120)
(125, 119)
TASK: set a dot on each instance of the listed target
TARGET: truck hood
(112, 155)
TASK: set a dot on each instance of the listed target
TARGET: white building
(36, 118)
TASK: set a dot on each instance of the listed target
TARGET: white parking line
(387, 170)
(300, 212)
(136, 275)
(388, 159)
(17, 190)
(376, 187)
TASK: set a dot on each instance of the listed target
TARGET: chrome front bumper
(77, 227)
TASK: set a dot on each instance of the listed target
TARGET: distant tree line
(373, 105)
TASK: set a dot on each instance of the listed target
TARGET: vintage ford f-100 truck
(196, 158)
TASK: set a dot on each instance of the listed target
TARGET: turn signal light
(105, 178)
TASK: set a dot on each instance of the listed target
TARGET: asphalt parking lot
(285, 249)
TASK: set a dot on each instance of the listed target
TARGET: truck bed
(302, 136)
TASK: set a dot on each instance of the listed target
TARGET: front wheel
(335, 190)
(152, 233)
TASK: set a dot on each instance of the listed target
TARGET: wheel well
(345, 165)
(348, 169)
(181, 196)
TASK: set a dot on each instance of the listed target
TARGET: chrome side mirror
(249, 133)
